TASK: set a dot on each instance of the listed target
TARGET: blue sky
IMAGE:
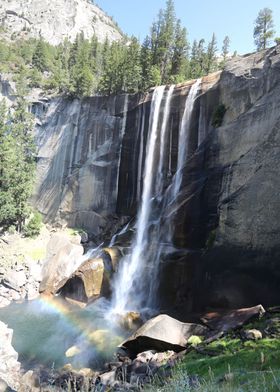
(201, 17)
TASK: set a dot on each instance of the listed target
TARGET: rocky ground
(161, 352)
(165, 350)
(20, 266)
(25, 262)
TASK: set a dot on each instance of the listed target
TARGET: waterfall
(136, 282)
(163, 142)
(133, 282)
(184, 133)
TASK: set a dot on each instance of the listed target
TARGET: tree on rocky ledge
(17, 165)
(263, 31)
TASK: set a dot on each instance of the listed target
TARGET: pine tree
(17, 154)
(162, 39)
(146, 63)
(81, 68)
(211, 55)
(166, 39)
(194, 68)
(112, 79)
(225, 48)
(263, 30)
(179, 61)
(201, 58)
(40, 56)
(132, 67)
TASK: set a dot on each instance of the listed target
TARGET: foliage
(225, 50)
(218, 115)
(17, 165)
(33, 227)
(194, 340)
(263, 30)
(87, 67)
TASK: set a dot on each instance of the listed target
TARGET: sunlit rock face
(226, 213)
(56, 20)
(9, 366)
(64, 256)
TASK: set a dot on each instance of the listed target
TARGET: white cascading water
(128, 294)
(183, 144)
(163, 142)
(136, 282)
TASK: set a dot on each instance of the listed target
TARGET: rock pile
(19, 283)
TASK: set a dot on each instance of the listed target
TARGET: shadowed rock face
(227, 213)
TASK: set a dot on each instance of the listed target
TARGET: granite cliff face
(55, 20)
(227, 212)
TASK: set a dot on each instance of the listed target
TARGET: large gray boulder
(163, 333)
(64, 255)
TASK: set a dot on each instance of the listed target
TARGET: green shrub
(33, 227)
(218, 115)
(194, 340)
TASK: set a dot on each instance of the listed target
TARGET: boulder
(29, 382)
(115, 255)
(163, 333)
(9, 365)
(107, 378)
(35, 271)
(146, 356)
(64, 255)
(252, 334)
(32, 290)
(87, 283)
(225, 321)
(15, 279)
